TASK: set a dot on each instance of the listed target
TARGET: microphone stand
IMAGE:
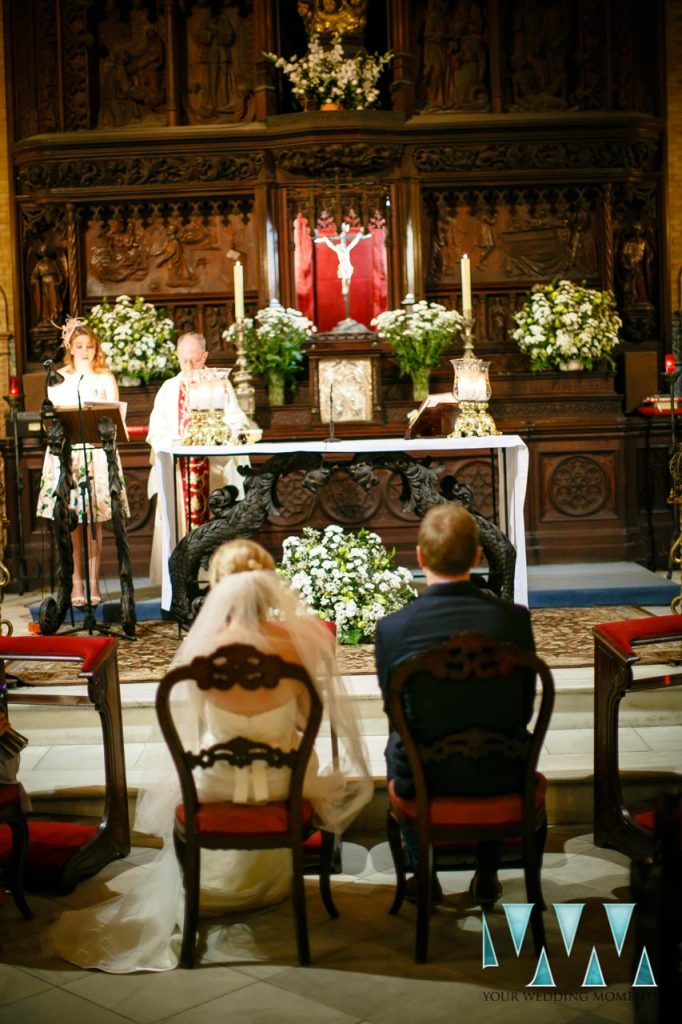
(89, 618)
(88, 519)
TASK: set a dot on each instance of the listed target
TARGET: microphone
(54, 377)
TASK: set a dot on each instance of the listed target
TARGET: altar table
(512, 458)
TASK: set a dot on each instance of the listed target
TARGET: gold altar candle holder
(243, 381)
(471, 390)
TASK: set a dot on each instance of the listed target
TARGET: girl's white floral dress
(94, 387)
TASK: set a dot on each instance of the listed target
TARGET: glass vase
(275, 382)
(420, 383)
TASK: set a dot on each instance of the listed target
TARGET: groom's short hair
(448, 538)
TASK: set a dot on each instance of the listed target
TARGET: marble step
(63, 771)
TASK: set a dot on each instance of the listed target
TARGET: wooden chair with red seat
(616, 646)
(478, 780)
(12, 815)
(61, 854)
(224, 825)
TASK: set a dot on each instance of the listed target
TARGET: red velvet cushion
(313, 842)
(647, 820)
(654, 627)
(490, 811)
(51, 844)
(9, 793)
(223, 817)
(92, 651)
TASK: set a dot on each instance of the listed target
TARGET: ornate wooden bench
(614, 660)
(99, 668)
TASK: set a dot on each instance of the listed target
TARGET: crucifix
(343, 248)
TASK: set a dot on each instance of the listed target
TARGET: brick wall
(674, 84)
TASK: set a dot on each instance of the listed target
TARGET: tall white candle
(238, 291)
(465, 265)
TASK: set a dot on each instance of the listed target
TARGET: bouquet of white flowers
(137, 339)
(274, 342)
(563, 326)
(419, 335)
(347, 578)
(327, 75)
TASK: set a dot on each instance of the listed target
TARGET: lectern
(93, 424)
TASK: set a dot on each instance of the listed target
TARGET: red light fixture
(670, 364)
(14, 391)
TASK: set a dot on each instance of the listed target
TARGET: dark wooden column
(264, 36)
(402, 86)
(173, 105)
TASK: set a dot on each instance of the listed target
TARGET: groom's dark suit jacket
(442, 611)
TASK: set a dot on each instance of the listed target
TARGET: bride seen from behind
(247, 603)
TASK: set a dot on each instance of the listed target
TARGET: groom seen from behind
(447, 551)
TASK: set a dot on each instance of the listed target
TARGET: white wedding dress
(140, 929)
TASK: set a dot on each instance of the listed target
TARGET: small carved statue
(47, 284)
(636, 259)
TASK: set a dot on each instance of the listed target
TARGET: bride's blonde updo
(238, 555)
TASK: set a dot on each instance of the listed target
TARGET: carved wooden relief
(547, 155)
(454, 56)
(183, 248)
(153, 171)
(340, 158)
(577, 486)
(130, 58)
(537, 236)
(220, 65)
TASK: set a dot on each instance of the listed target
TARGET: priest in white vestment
(168, 420)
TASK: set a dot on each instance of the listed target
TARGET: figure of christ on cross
(343, 248)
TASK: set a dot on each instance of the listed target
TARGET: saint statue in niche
(47, 283)
(636, 259)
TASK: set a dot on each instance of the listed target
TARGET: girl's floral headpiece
(69, 328)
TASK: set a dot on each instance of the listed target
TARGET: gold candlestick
(468, 329)
(243, 381)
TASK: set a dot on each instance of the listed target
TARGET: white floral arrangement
(137, 339)
(328, 75)
(419, 334)
(347, 578)
(274, 340)
(564, 323)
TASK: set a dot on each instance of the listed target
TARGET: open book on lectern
(92, 413)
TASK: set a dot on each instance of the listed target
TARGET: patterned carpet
(563, 637)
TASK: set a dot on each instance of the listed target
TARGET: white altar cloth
(512, 464)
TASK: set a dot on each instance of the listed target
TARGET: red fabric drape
(303, 267)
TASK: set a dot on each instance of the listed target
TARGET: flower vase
(330, 106)
(420, 383)
(571, 365)
(275, 383)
